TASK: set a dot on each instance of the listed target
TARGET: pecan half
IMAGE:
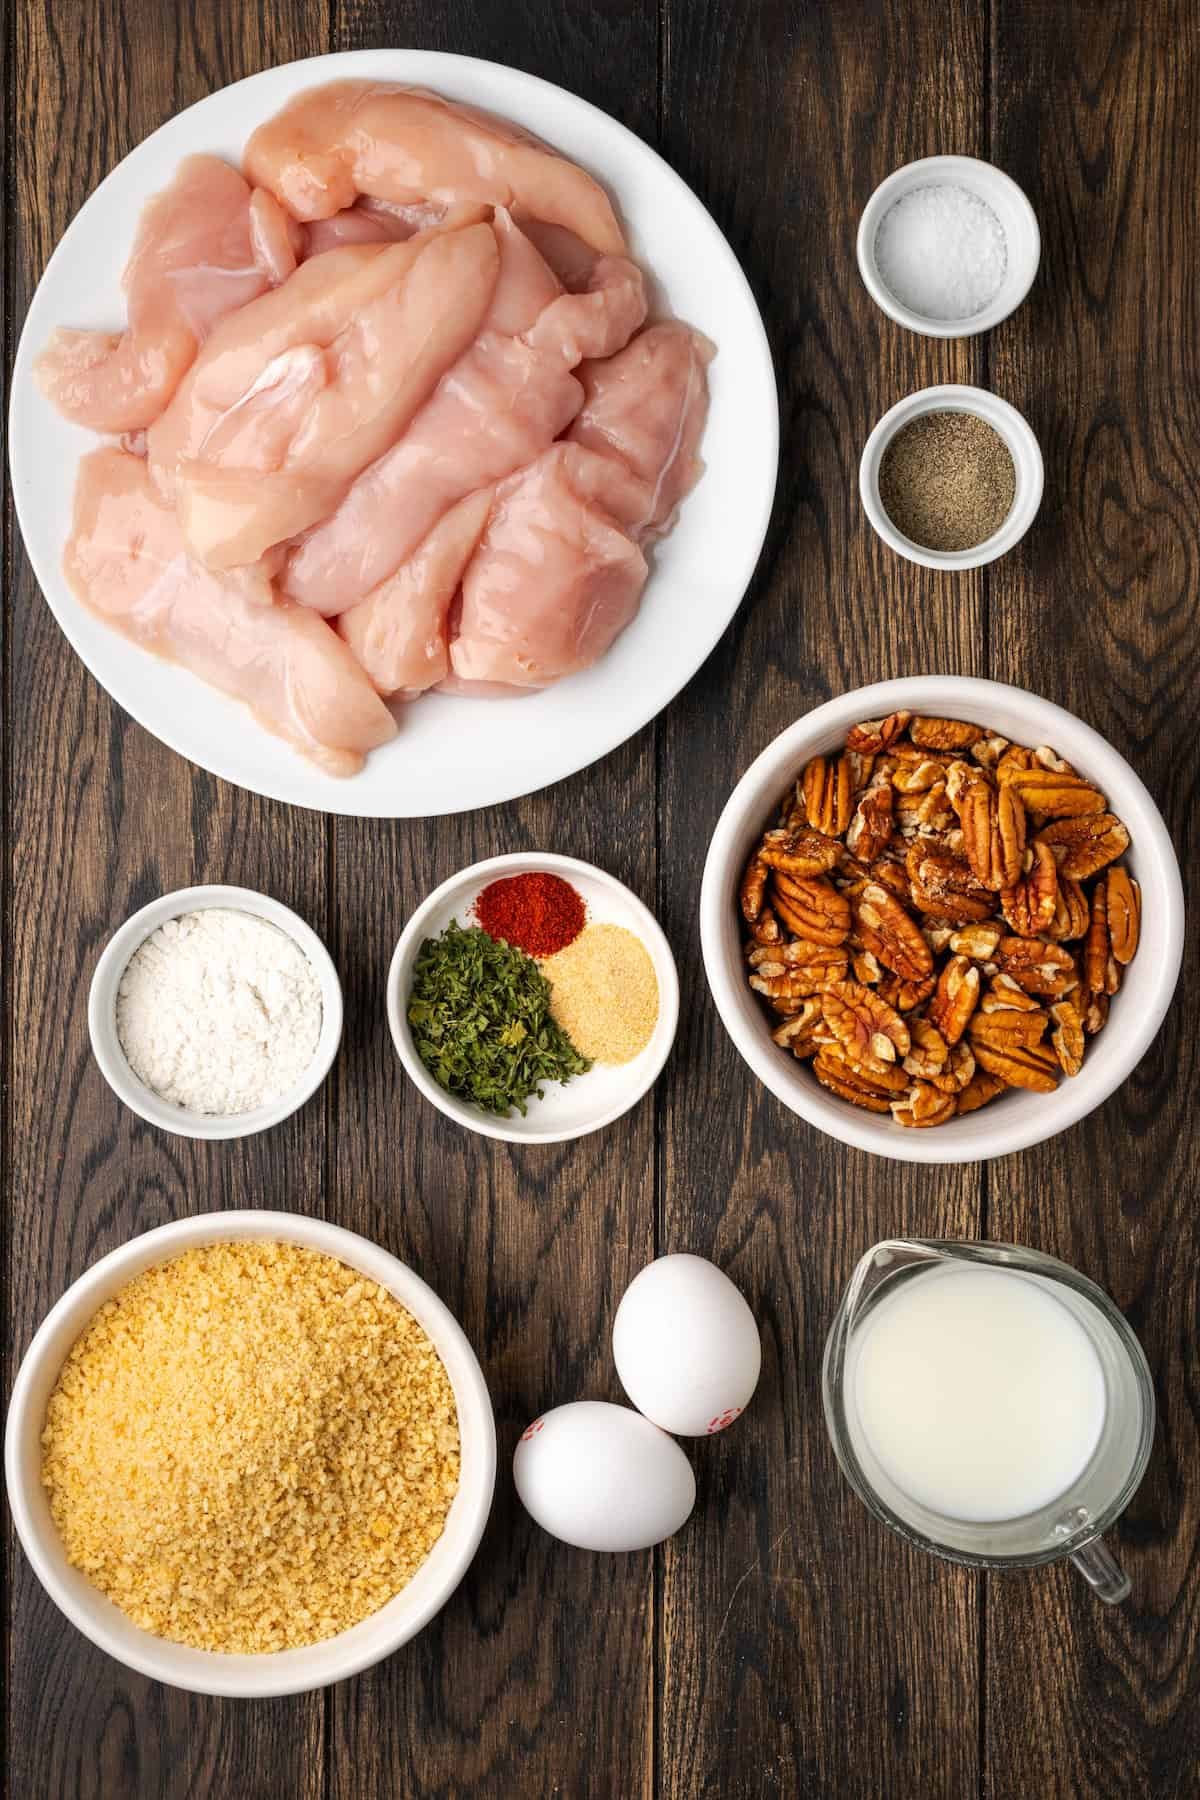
(993, 825)
(976, 941)
(905, 995)
(871, 826)
(988, 751)
(861, 1088)
(867, 967)
(812, 906)
(1124, 900)
(1067, 1036)
(787, 984)
(799, 953)
(874, 735)
(754, 883)
(1029, 906)
(828, 790)
(1095, 1013)
(924, 1105)
(1085, 845)
(981, 1088)
(944, 734)
(929, 1052)
(891, 933)
(944, 887)
(1101, 971)
(955, 998)
(1037, 967)
(1002, 1030)
(765, 929)
(1052, 793)
(1071, 911)
(870, 1034)
(918, 774)
(958, 1072)
(799, 852)
(1006, 995)
(1035, 1069)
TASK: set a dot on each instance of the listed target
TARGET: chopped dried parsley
(479, 1012)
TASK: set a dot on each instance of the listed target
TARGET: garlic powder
(219, 1011)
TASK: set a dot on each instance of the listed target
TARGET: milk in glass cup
(990, 1404)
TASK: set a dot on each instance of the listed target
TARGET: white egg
(602, 1477)
(686, 1346)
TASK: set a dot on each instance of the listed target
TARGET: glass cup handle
(1102, 1572)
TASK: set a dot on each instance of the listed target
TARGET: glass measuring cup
(1070, 1524)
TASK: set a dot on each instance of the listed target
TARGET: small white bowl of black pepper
(951, 477)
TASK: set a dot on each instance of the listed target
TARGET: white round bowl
(568, 1109)
(1006, 200)
(1014, 1120)
(102, 1013)
(1022, 446)
(283, 1671)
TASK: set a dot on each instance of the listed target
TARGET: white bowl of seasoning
(321, 1026)
(587, 1102)
(965, 491)
(269, 1673)
(948, 246)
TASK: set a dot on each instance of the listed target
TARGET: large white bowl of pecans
(941, 918)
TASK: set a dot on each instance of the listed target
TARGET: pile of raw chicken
(390, 419)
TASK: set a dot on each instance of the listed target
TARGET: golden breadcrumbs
(251, 1448)
(604, 993)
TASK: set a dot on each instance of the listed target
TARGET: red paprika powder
(537, 913)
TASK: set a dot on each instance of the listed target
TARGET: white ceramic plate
(567, 1109)
(451, 754)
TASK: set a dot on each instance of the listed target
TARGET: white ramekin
(1022, 446)
(1014, 1120)
(278, 1672)
(588, 1102)
(1006, 200)
(102, 1013)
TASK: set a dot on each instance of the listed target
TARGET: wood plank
(537, 1678)
(805, 1649)
(102, 818)
(1101, 612)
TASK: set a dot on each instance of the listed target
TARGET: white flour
(219, 1011)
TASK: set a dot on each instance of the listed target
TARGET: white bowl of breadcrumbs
(250, 1454)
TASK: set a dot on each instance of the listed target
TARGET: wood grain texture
(538, 1678)
(804, 1650)
(783, 1644)
(1101, 612)
(101, 819)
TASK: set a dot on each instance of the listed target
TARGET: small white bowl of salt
(948, 246)
(215, 1012)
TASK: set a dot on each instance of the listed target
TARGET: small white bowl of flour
(215, 1012)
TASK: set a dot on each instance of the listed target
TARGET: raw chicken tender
(196, 257)
(552, 584)
(271, 457)
(500, 405)
(605, 301)
(127, 562)
(402, 144)
(398, 633)
(647, 407)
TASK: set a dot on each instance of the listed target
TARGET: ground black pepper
(947, 481)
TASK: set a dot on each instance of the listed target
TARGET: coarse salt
(942, 252)
(219, 1011)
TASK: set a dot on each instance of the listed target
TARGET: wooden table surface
(783, 1643)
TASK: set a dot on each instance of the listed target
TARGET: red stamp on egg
(532, 1430)
(723, 1419)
